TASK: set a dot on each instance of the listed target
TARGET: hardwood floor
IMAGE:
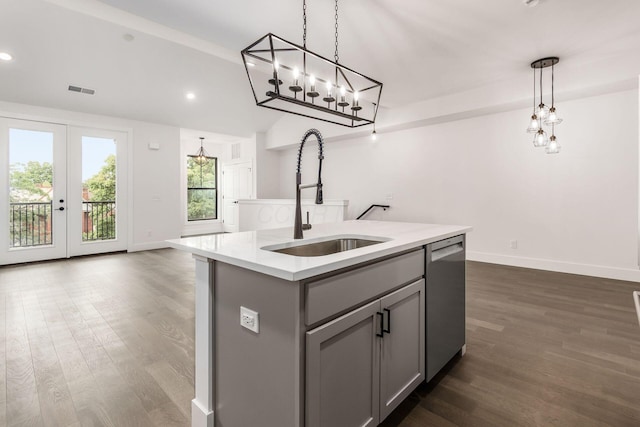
(108, 341)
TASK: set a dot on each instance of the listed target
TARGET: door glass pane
(98, 189)
(31, 188)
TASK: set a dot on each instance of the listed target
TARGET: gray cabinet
(360, 366)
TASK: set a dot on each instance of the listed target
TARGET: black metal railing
(384, 207)
(30, 224)
(98, 220)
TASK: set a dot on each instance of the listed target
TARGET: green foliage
(102, 186)
(28, 180)
(201, 190)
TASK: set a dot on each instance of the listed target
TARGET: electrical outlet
(249, 319)
(514, 244)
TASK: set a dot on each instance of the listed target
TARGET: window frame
(215, 189)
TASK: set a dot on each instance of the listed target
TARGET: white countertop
(244, 249)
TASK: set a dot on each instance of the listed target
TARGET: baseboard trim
(200, 417)
(628, 274)
(147, 246)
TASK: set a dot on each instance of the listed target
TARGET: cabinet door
(402, 365)
(342, 372)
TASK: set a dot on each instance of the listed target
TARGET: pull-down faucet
(298, 227)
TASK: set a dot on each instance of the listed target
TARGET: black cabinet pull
(60, 208)
(381, 334)
(388, 330)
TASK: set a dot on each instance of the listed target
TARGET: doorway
(53, 176)
(237, 183)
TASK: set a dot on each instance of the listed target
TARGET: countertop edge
(295, 276)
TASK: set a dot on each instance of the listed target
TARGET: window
(202, 193)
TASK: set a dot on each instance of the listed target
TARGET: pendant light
(288, 77)
(201, 158)
(542, 114)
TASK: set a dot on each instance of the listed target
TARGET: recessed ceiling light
(5, 56)
(191, 95)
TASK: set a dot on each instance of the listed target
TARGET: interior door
(33, 214)
(97, 191)
(237, 183)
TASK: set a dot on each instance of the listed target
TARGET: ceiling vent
(81, 90)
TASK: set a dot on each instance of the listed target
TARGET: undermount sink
(326, 247)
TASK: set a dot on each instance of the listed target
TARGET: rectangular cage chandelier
(288, 77)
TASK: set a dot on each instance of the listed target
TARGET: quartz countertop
(244, 249)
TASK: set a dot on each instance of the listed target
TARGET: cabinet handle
(388, 330)
(381, 334)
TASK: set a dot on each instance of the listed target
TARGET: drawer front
(336, 294)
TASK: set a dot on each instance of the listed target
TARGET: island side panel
(202, 405)
(258, 377)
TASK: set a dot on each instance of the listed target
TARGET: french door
(62, 191)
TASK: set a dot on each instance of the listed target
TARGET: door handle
(388, 330)
(381, 333)
(61, 208)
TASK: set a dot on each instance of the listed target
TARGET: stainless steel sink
(325, 247)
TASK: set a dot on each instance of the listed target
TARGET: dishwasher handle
(446, 251)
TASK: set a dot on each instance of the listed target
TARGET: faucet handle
(307, 226)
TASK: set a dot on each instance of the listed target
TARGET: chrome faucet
(298, 227)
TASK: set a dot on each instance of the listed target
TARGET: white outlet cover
(249, 319)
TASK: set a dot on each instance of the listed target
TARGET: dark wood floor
(108, 340)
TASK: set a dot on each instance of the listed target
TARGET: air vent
(81, 90)
(235, 151)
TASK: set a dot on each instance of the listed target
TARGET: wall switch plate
(249, 319)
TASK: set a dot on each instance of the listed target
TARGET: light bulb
(343, 91)
(553, 147)
(552, 118)
(374, 136)
(542, 111)
(356, 96)
(328, 86)
(296, 73)
(541, 139)
(312, 80)
(534, 125)
(276, 65)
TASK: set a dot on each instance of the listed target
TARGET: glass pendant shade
(542, 111)
(552, 118)
(534, 125)
(541, 139)
(553, 147)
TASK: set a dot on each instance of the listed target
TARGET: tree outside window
(202, 193)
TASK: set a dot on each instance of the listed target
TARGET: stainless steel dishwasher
(445, 302)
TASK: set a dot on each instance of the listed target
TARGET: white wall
(575, 212)
(154, 189)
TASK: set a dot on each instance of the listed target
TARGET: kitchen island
(285, 340)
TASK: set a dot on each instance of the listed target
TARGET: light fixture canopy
(543, 114)
(290, 78)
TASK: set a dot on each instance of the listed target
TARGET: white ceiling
(419, 49)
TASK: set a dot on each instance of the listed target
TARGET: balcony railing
(29, 224)
(98, 221)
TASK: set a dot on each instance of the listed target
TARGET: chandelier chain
(304, 24)
(336, 54)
